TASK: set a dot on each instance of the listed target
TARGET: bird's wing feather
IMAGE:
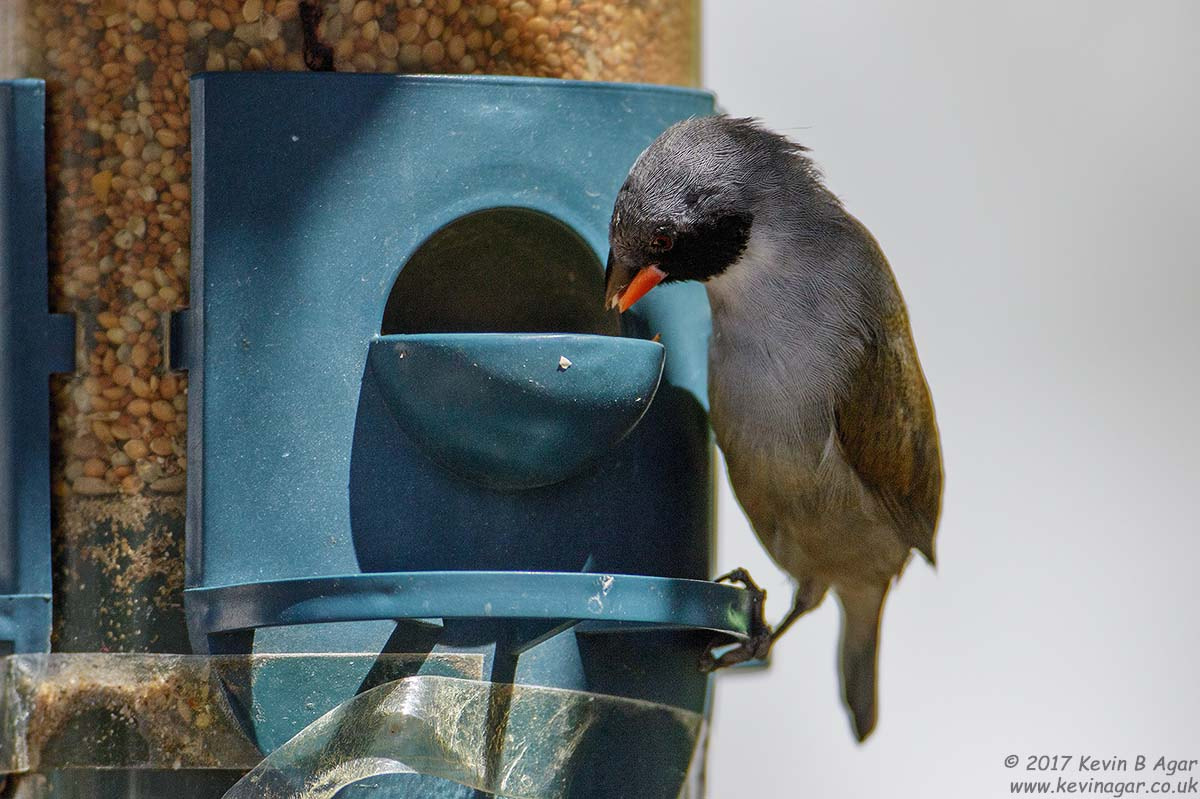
(886, 429)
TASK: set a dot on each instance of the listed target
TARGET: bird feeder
(414, 427)
(412, 430)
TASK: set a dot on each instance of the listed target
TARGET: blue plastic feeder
(413, 425)
(33, 343)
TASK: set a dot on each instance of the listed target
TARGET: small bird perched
(816, 395)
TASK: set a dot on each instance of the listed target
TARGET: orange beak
(646, 279)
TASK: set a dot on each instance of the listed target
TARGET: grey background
(1031, 170)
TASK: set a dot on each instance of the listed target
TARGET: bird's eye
(662, 242)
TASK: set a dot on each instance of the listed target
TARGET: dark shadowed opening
(508, 270)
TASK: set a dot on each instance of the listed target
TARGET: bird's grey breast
(781, 351)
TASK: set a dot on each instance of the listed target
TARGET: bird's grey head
(688, 206)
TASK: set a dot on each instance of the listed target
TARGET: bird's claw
(740, 575)
(758, 600)
(758, 645)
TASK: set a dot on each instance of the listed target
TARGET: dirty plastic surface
(517, 741)
(520, 741)
(151, 711)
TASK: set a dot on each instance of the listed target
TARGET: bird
(817, 398)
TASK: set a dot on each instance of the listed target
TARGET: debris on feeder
(159, 711)
(657, 338)
(564, 363)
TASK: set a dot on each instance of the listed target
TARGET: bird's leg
(758, 644)
(808, 595)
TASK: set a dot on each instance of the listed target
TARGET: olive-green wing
(887, 430)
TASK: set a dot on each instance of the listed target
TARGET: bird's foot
(758, 628)
(758, 645)
(740, 575)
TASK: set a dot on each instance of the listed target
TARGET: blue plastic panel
(310, 194)
(33, 343)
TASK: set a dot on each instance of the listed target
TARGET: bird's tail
(862, 606)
